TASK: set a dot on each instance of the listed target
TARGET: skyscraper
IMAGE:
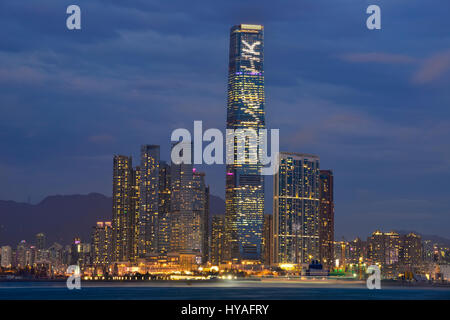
(164, 207)
(217, 239)
(383, 249)
(135, 198)
(122, 208)
(296, 208)
(201, 210)
(185, 222)
(245, 110)
(149, 200)
(326, 216)
(101, 243)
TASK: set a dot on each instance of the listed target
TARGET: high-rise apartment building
(101, 243)
(201, 210)
(135, 198)
(245, 110)
(326, 218)
(296, 208)
(410, 250)
(164, 207)
(123, 211)
(189, 207)
(149, 201)
(217, 239)
(383, 249)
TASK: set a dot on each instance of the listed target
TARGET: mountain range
(62, 217)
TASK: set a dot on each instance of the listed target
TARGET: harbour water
(240, 290)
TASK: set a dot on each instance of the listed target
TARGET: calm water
(232, 290)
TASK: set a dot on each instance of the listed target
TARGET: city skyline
(224, 159)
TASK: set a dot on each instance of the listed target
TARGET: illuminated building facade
(411, 249)
(375, 248)
(149, 201)
(341, 253)
(101, 243)
(296, 208)
(383, 249)
(326, 218)
(356, 251)
(181, 210)
(7, 257)
(123, 210)
(217, 239)
(189, 208)
(134, 217)
(245, 110)
(80, 253)
(201, 210)
(164, 207)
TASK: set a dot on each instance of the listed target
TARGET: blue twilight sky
(373, 104)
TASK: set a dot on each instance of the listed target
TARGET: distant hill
(62, 218)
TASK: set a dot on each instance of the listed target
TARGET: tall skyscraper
(123, 210)
(201, 210)
(189, 207)
(134, 217)
(184, 222)
(149, 201)
(326, 216)
(164, 207)
(101, 243)
(245, 110)
(217, 239)
(296, 208)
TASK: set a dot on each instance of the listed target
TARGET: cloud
(378, 57)
(433, 68)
